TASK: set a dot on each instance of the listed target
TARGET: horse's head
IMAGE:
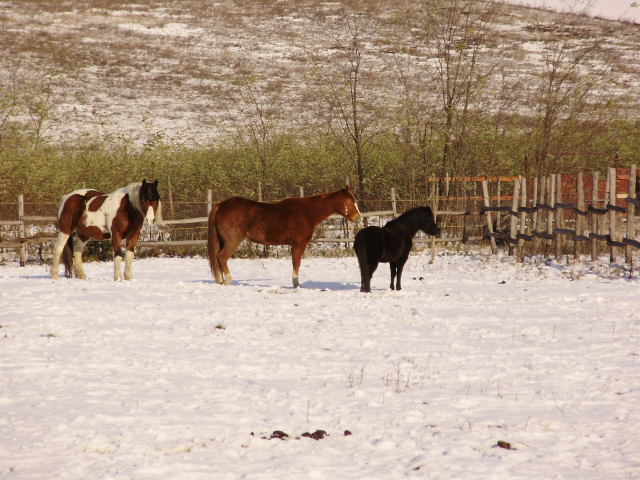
(427, 222)
(349, 207)
(150, 202)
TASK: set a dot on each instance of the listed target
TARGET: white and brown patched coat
(88, 214)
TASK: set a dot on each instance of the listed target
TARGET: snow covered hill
(175, 70)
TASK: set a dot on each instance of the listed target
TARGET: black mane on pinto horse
(88, 214)
(288, 222)
(391, 243)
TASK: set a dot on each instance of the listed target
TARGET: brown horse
(91, 215)
(288, 222)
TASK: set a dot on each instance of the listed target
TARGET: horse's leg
(78, 248)
(128, 256)
(128, 262)
(393, 267)
(365, 278)
(399, 266)
(67, 257)
(61, 241)
(373, 265)
(297, 250)
(364, 275)
(230, 245)
(363, 263)
(118, 254)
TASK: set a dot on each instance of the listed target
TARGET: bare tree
(9, 100)
(340, 77)
(458, 34)
(566, 87)
(257, 115)
(38, 97)
(415, 117)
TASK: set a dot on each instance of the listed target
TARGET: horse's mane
(405, 216)
(133, 191)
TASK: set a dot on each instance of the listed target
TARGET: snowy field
(170, 376)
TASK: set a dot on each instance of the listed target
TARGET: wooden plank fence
(24, 220)
(537, 219)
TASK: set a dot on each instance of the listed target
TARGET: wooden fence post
(487, 216)
(579, 217)
(594, 217)
(542, 192)
(21, 231)
(393, 202)
(551, 198)
(631, 215)
(209, 201)
(613, 224)
(434, 205)
(514, 218)
(534, 203)
(301, 191)
(464, 204)
(522, 216)
(170, 194)
(499, 194)
(559, 217)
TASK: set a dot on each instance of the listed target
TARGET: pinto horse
(288, 222)
(91, 215)
(391, 243)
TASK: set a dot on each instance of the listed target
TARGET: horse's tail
(213, 246)
(67, 257)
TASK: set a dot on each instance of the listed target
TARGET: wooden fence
(563, 224)
(345, 234)
(554, 214)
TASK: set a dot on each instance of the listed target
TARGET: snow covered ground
(170, 376)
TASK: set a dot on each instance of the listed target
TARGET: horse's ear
(144, 182)
(156, 183)
(346, 188)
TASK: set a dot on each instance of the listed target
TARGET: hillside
(189, 71)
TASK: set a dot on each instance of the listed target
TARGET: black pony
(391, 243)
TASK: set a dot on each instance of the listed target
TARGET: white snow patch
(169, 29)
(173, 376)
